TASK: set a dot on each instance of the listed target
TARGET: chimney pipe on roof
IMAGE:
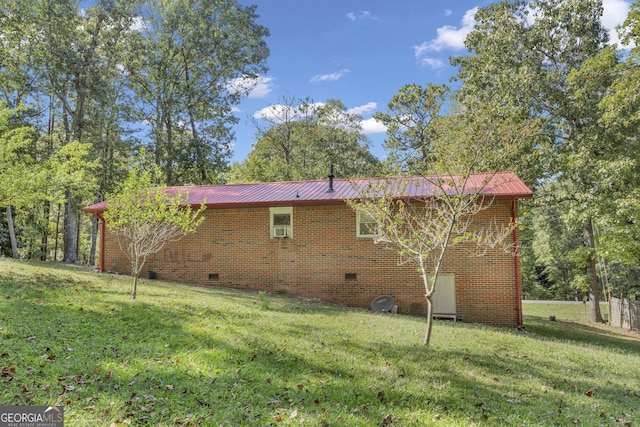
(330, 176)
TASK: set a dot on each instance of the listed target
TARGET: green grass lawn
(562, 310)
(191, 356)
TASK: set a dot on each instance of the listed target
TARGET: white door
(444, 298)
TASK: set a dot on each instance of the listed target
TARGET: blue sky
(361, 52)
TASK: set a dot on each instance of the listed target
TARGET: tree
(557, 253)
(413, 111)
(184, 56)
(620, 235)
(450, 154)
(302, 139)
(19, 173)
(27, 178)
(60, 63)
(108, 71)
(548, 60)
(423, 229)
(144, 219)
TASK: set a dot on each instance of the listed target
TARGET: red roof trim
(501, 185)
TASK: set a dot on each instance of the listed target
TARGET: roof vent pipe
(330, 176)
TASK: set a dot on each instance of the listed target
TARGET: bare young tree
(144, 219)
(453, 161)
(422, 217)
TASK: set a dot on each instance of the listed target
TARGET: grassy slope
(182, 355)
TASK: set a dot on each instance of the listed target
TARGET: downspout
(102, 245)
(516, 260)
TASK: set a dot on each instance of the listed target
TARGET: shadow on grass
(581, 333)
(249, 361)
(112, 359)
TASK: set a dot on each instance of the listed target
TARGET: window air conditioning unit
(280, 232)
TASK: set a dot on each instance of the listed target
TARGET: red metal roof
(499, 185)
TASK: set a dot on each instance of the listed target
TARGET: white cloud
(449, 37)
(364, 15)
(448, 12)
(269, 113)
(433, 63)
(252, 87)
(329, 77)
(614, 14)
(363, 109)
(279, 112)
(371, 125)
(263, 87)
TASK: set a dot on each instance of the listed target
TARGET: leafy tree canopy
(144, 218)
(302, 140)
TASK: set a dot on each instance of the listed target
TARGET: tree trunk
(45, 235)
(427, 335)
(70, 234)
(12, 234)
(55, 248)
(135, 285)
(592, 274)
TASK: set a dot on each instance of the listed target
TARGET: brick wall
(232, 248)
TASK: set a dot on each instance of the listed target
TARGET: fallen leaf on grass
(386, 421)
(8, 370)
(293, 414)
(147, 406)
(588, 393)
(49, 357)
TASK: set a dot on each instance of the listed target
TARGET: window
(281, 222)
(365, 225)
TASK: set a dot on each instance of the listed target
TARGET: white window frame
(281, 211)
(359, 215)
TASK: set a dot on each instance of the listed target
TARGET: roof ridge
(503, 184)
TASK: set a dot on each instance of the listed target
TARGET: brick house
(301, 238)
